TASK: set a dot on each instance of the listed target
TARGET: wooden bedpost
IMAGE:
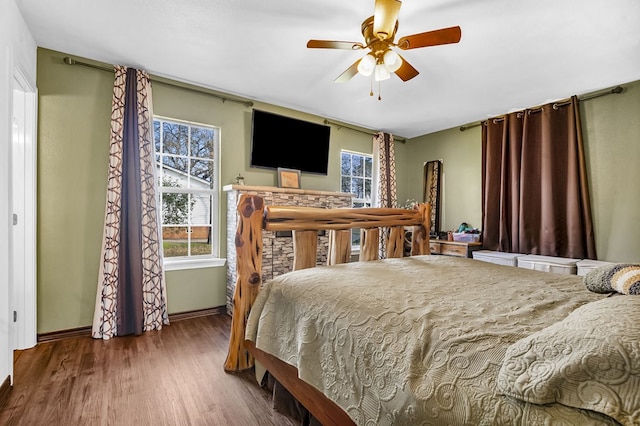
(249, 278)
(395, 244)
(369, 243)
(339, 246)
(420, 240)
(305, 249)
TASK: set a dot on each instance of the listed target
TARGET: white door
(23, 195)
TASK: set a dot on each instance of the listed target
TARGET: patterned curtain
(386, 190)
(431, 191)
(131, 295)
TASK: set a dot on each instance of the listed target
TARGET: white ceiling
(512, 55)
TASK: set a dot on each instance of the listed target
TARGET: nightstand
(454, 248)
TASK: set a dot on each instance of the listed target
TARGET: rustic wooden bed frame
(305, 222)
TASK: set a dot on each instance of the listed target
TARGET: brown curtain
(535, 197)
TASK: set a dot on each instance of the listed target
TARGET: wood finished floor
(174, 376)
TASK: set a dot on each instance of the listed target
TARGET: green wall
(73, 147)
(460, 153)
(611, 126)
(611, 130)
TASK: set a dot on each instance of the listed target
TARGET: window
(187, 176)
(356, 177)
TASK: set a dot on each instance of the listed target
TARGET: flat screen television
(279, 141)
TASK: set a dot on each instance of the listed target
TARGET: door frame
(22, 288)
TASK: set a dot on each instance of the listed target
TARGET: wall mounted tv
(279, 141)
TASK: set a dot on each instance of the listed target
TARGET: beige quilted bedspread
(416, 341)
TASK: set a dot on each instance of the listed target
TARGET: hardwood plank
(5, 389)
(86, 331)
(172, 376)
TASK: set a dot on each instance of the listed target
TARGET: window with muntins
(187, 164)
(356, 177)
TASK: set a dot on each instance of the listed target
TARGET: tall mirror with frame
(431, 189)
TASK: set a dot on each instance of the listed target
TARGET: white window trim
(193, 262)
(197, 262)
(355, 250)
(373, 174)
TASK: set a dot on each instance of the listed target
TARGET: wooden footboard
(305, 222)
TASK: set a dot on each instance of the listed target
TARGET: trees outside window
(187, 165)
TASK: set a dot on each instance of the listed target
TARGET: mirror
(432, 178)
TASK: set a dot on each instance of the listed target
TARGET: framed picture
(288, 178)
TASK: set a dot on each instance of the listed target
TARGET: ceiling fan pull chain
(371, 84)
(379, 91)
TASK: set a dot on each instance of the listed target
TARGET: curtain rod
(613, 91)
(70, 61)
(369, 132)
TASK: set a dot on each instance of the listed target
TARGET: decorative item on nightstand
(410, 204)
(466, 234)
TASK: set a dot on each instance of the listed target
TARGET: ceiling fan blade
(406, 70)
(349, 73)
(332, 44)
(385, 17)
(431, 38)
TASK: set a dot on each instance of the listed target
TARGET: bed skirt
(284, 403)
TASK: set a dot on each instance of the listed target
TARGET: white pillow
(589, 360)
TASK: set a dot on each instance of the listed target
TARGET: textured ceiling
(512, 55)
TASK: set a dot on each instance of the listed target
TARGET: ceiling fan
(379, 32)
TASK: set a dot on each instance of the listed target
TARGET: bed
(430, 340)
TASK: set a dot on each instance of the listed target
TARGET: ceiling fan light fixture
(381, 73)
(381, 58)
(367, 64)
(392, 60)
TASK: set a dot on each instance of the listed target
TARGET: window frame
(192, 261)
(355, 248)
